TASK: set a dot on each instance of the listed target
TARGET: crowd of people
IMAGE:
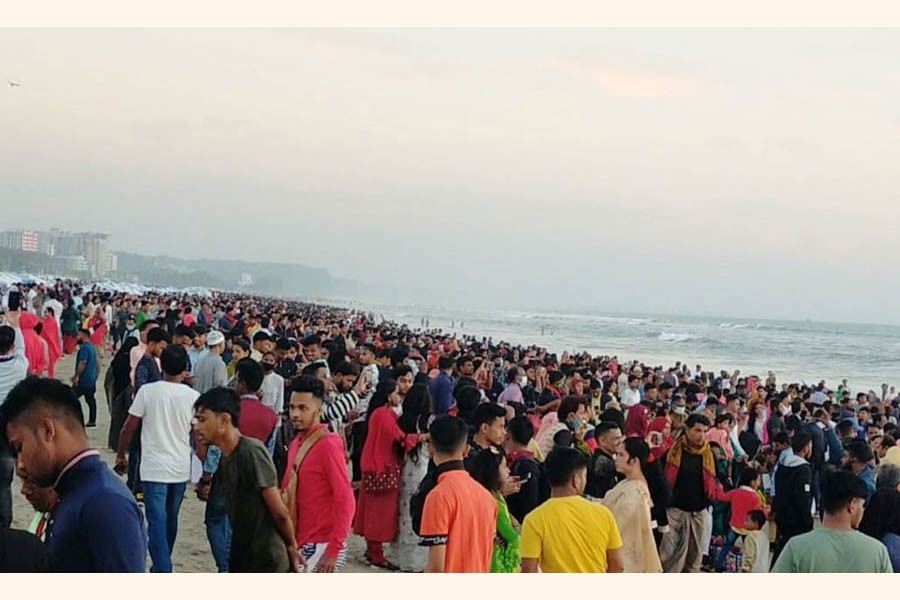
(299, 425)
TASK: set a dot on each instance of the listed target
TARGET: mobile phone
(527, 476)
(15, 300)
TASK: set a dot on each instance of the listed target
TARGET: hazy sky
(724, 172)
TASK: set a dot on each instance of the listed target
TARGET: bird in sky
(13, 83)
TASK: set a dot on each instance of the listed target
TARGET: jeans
(730, 538)
(162, 501)
(88, 394)
(218, 527)
(7, 470)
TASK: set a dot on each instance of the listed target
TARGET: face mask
(575, 425)
(523, 381)
(267, 367)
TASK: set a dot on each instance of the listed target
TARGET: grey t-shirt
(210, 372)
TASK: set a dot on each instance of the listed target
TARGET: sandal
(386, 565)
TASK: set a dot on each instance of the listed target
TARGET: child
(743, 500)
(756, 544)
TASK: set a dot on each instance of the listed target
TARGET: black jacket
(793, 496)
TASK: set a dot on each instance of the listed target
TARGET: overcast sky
(722, 172)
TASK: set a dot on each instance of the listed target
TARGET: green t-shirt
(828, 551)
(256, 546)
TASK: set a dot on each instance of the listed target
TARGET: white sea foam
(675, 337)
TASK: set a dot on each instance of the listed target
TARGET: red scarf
(673, 464)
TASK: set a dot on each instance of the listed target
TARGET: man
(691, 473)
(261, 342)
(441, 387)
(632, 394)
(513, 392)
(164, 410)
(240, 349)
(258, 421)
(210, 371)
(568, 533)
(524, 465)
(837, 547)
(138, 352)
(43, 500)
(603, 475)
(489, 425)
(146, 371)
(312, 352)
(858, 457)
(793, 485)
(322, 507)
(198, 347)
(286, 366)
(87, 371)
(272, 385)
(13, 369)
(459, 515)
(97, 526)
(263, 536)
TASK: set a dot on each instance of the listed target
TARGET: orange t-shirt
(462, 515)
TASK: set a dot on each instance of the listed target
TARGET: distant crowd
(300, 425)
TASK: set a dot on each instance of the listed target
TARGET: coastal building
(86, 252)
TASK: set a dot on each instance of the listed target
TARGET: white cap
(215, 338)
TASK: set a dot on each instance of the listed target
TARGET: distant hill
(268, 278)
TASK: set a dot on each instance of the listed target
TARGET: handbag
(382, 483)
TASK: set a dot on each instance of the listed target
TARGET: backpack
(428, 483)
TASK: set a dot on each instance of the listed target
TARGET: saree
(630, 504)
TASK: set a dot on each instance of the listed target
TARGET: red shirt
(257, 420)
(325, 501)
(743, 500)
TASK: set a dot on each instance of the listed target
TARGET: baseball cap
(215, 338)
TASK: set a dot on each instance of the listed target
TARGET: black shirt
(21, 552)
(689, 493)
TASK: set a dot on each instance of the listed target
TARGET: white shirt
(166, 410)
(273, 392)
(631, 397)
(13, 368)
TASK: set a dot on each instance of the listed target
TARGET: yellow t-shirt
(535, 449)
(570, 535)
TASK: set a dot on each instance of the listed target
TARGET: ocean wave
(675, 337)
(734, 326)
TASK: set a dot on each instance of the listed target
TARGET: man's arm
(529, 565)
(283, 524)
(342, 405)
(437, 555)
(125, 439)
(614, 562)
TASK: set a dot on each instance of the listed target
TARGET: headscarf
(659, 425)
(50, 333)
(34, 349)
(892, 457)
(673, 464)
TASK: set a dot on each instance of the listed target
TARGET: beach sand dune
(192, 553)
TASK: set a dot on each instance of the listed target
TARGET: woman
(34, 348)
(407, 553)
(489, 469)
(630, 504)
(381, 462)
(98, 328)
(660, 438)
(50, 333)
(881, 519)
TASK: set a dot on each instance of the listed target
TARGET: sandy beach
(192, 554)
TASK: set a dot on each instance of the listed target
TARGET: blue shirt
(97, 526)
(441, 388)
(88, 354)
(147, 371)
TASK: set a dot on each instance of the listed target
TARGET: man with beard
(322, 508)
(97, 526)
